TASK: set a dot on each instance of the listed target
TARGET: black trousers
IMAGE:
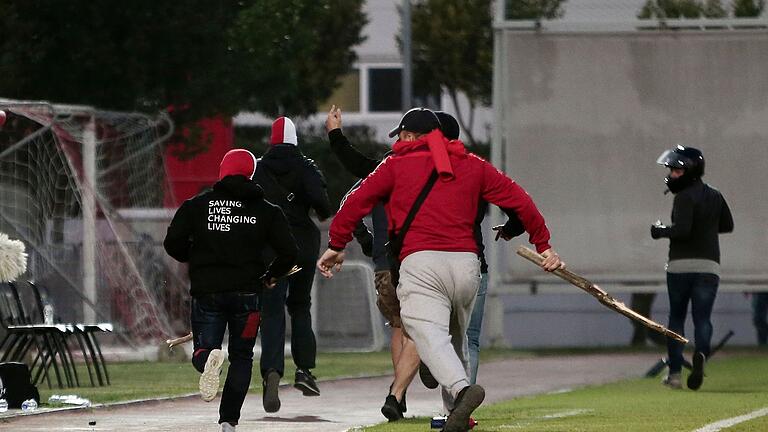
(212, 314)
(700, 290)
(295, 294)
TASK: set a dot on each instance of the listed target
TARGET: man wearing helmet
(699, 214)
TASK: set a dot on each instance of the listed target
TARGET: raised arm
(354, 161)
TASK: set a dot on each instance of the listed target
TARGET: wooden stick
(179, 340)
(602, 296)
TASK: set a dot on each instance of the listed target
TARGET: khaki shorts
(386, 298)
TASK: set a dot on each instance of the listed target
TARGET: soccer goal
(68, 176)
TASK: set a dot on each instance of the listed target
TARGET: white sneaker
(673, 381)
(209, 380)
(227, 427)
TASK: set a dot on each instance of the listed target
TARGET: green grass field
(735, 385)
(140, 380)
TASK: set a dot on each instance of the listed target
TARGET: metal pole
(407, 89)
(494, 328)
(89, 221)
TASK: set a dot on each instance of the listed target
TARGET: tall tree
(203, 58)
(534, 9)
(452, 43)
(748, 8)
(452, 48)
(714, 9)
(295, 51)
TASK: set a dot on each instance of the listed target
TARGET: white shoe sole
(209, 380)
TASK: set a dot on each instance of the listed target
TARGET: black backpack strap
(285, 192)
(400, 237)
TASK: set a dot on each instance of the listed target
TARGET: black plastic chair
(84, 334)
(47, 340)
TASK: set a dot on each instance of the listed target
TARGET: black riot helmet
(687, 158)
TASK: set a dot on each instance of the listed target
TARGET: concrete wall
(586, 116)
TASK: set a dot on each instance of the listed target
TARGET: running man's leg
(299, 303)
(208, 326)
(702, 301)
(243, 321)
(474, 330)
(679, 291)
(273, 329)
(426, 308)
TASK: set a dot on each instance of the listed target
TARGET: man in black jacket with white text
(221, 233)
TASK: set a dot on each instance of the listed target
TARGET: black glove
(514, 227)
(366, 244)
(657, 231)
(365, 238)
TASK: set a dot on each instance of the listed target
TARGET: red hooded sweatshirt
(446, 219)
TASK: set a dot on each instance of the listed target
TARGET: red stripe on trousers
(251, 326)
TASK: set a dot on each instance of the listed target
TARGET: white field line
(722, 424)
(563, 414)
(556, 415)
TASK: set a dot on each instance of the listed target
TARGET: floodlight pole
(89, 220)
(407, 88)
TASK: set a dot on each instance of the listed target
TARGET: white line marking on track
(722, 424)
(560, 391)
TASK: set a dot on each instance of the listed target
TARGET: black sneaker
(391, 409)
(305, 382)
(697, 371)
(468, 399)
(270, 398)
(403, 406)
(426, 377)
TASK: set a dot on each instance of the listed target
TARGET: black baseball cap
(418, 120)
(448, 125)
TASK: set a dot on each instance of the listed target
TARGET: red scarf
(439, 146)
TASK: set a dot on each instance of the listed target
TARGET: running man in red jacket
(440, 271)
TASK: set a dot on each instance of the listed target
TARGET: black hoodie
(294, 174)
(222, 233)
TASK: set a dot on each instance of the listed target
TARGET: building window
(385, 90)
(347, 95)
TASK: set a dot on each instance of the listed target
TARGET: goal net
(69, 175)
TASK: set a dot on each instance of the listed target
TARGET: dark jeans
(211, 315)
(760, 316)
(700, 290)
(295, 293)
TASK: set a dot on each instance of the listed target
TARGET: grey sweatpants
(437, 291)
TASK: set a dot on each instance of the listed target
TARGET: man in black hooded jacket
(221, 233)
(293, 182)
(699, 214)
